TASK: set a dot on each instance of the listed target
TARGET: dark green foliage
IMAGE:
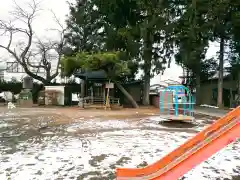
(234, 54)
(201, 22)
(192, 35)
(14, 87)
(83, 24)
(113, 63)
(151, 32)
(209, 68)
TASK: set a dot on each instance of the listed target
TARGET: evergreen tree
(192, 35)
(142, 29)
(223, 15)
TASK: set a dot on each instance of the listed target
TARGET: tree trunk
(46, 82)
(238, 90)
(184, 76)
(198, 89)
(188, 78)
(231, 98)
(34, 76)
(146, 90)
(82, 92)
(238, 79)
(220, 74)
(128, 96)
(147, 56)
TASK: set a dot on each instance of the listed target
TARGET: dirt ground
(65, 115)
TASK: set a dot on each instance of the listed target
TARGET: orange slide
(193, 152)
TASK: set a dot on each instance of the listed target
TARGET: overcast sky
(45, 21)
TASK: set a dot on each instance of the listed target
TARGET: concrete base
(178, 118)
(25, 98)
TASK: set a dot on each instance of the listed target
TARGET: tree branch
(9, 28)
(47, 51)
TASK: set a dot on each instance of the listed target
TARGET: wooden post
(104, 94)
(91, 89)
(107, 99)
(82, 91)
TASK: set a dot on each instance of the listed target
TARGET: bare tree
(34, 56)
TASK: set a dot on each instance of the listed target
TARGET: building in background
(13, 70)
(1, 73)
(209, 89)
(155, 90)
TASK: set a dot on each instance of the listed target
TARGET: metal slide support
(176, 103)
(191, 105)
(162, 101)
(184, 105)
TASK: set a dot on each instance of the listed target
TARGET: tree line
(121, 37)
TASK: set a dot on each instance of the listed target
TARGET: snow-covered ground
(209, 106)
(94, 148)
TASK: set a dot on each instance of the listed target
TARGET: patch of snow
(114, 145)
(209, 106)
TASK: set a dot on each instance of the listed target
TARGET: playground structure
(176, 103)
(196, 150)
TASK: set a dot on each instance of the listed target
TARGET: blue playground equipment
(169, 100)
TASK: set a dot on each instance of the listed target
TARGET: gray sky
(45, 21)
